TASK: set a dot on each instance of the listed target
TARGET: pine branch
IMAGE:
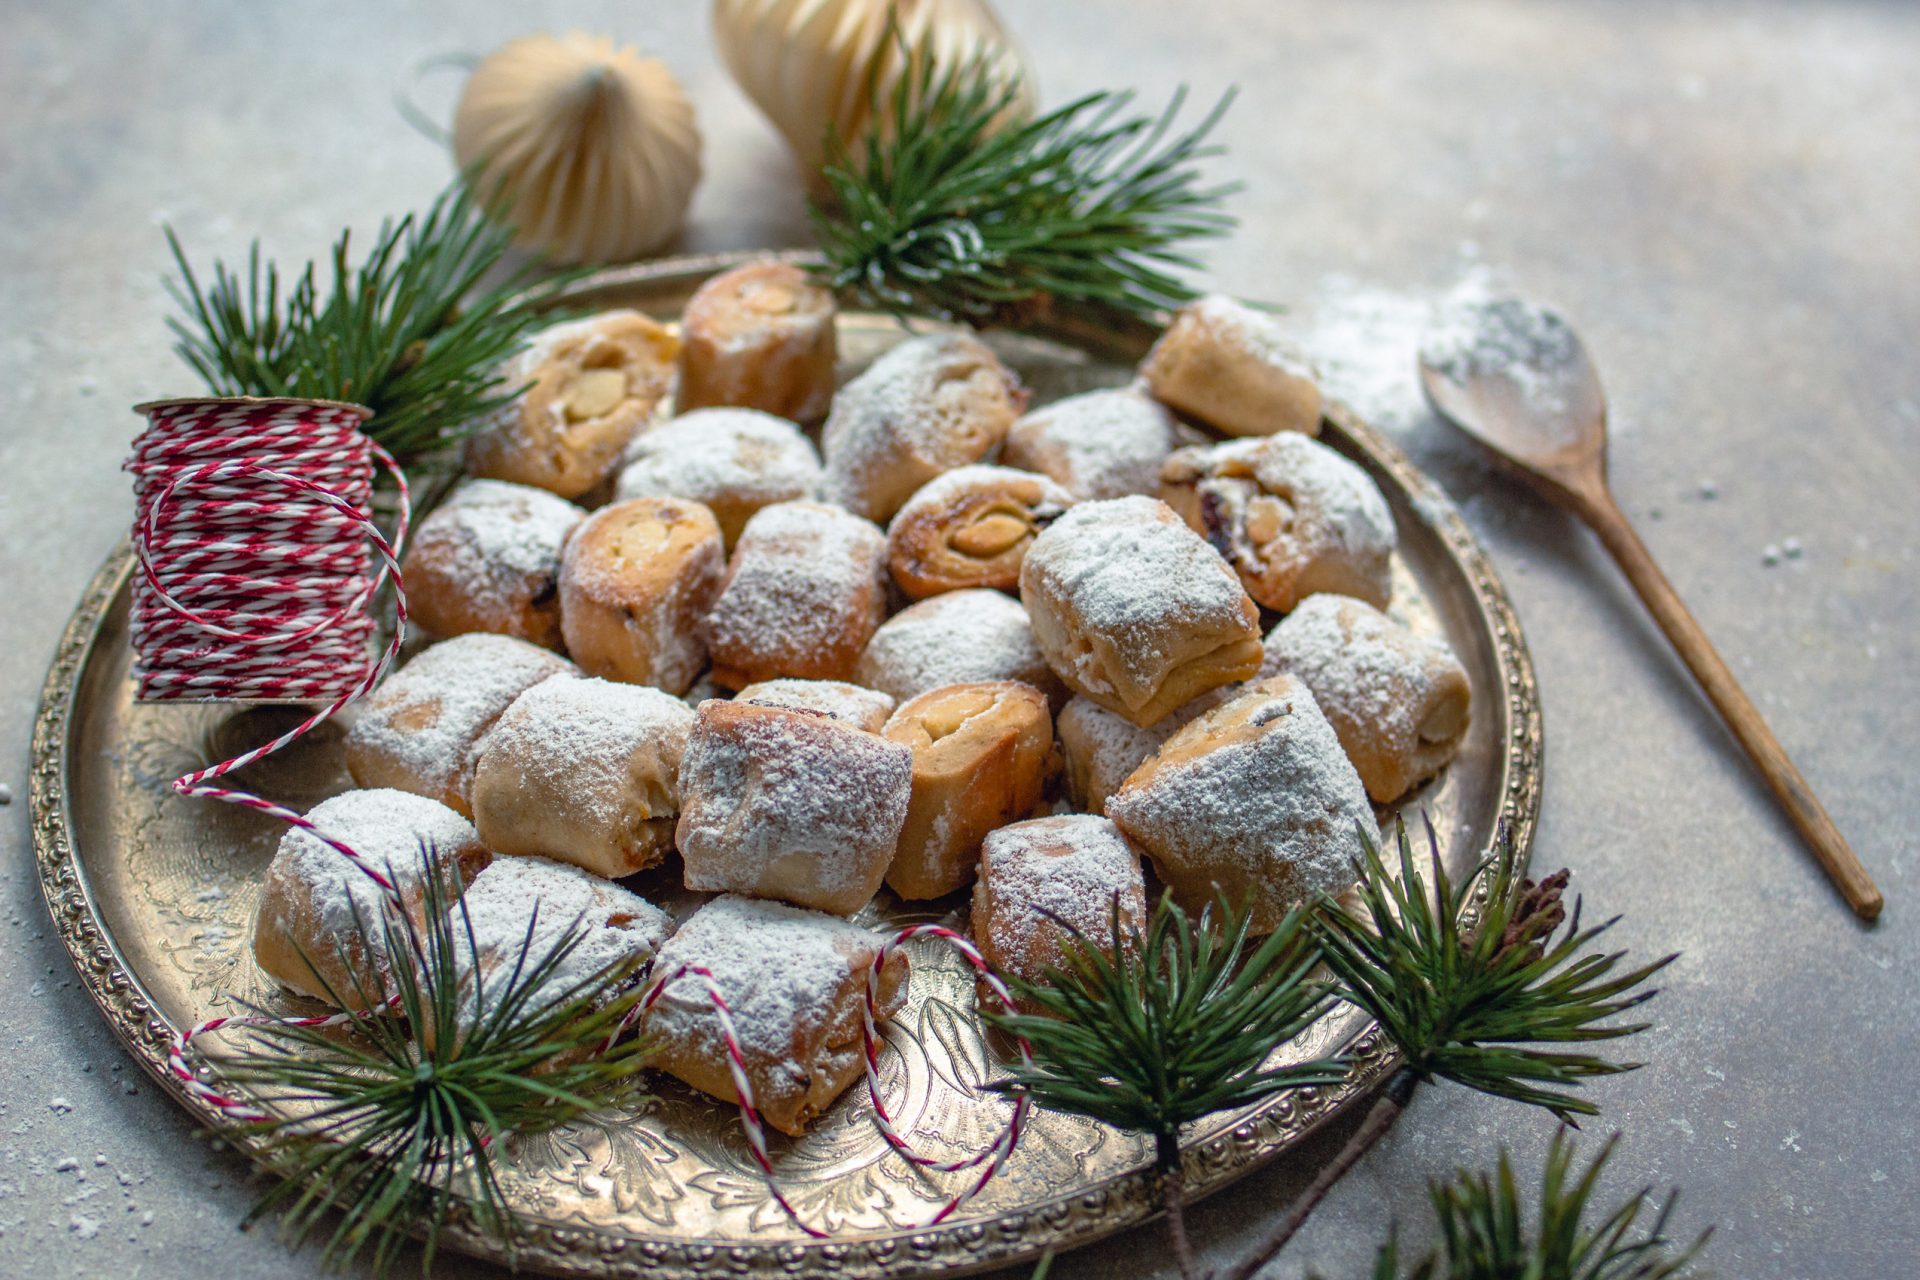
(1483, 1232)
(397, 1123)
(412, 332)
(957, 211)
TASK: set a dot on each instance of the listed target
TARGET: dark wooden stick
(1173, 1197)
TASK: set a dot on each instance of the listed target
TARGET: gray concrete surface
(1726, 198)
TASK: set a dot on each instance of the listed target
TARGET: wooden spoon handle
(1836, 857)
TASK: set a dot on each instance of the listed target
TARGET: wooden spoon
(1516, 378)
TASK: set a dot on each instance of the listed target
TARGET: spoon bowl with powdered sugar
(1516, 377)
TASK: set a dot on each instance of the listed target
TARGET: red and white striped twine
(255, 540)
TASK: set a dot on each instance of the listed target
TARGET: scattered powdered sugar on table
(706, 454)
(498, 541)
(430, 715)
(1099, 444)
(1069, 868)
(525, 906)
(957, 637)
(388, 829)
(780, 969)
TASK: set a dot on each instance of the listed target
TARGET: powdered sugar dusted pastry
(956, 638)
(522, 909)
(1098, 444)
(759, 336)
(595, 383)
(583, 771)
(1397, 701)
(929, 405)
(1231, 367)
(314, 893)
(1254, 800)
(488, 559)
(733, 461)
(635, 584)
(790, 805)
(1135, 611)
(848, 703)
(1289, 514)
(1038, 877)
(970, 528)
(794, 981)
(420, 730)
(1101, 748)
(981, 756)
(803, 593)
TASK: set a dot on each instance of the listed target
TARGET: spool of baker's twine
(254, 536)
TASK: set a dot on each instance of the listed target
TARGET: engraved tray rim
(1075, 1216)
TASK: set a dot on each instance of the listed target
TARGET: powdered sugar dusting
(425, 722)
(388, 829)
(741, 455)
(804, 576)
(1357, 658)
(848, 703)
(1099, 444)
(785, 973)
(958, 637)
(1070, 868)
(1102, 747)
(496, 543)
(1252, 331)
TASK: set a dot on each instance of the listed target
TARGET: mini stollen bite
(1397, 701)
(760, 336)
(596, 382)
(982, 755)
(1134, 611)
(928, 405)
(488, 559)
(1098, 444)
(804, 591)
(584, 771)
(791, 805)
(970, 528)
(1289, 514)
(304, 930)
(1255, 802)
(1233, 368)
(420, 730)
(794, 982)
(957, 637)
(635, 584)
(731, 461)
(848, 703)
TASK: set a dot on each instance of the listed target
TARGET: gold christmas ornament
(592, 146)
(808, 64)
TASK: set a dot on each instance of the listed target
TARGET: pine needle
(956, 211)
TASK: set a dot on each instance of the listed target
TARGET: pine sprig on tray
(1470, 1009)
(1484, 1233)
(957, 210)
(395, 1123)
(413, 332)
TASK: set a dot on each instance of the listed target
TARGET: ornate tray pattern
(153, 895)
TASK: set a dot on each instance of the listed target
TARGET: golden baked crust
(1254, 801)
(928, 405)
(583, 771)
(791, 805)
(804, 591)
(760, 336)
(305, 934)
(1041, 878)
(488, 559)
(635, 583)
(420, 730)
(795, 984)
(595, 383)
(1134, 611)
(1232, 368)
(1289, 514)
(970, 528)
(1399, 702)
(732, 461)
(982, 754)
